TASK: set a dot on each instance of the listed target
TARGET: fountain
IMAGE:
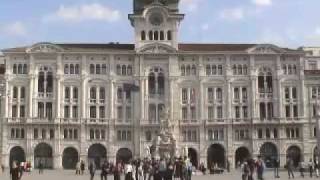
(165, 146)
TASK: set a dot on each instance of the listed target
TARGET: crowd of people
(145, 169)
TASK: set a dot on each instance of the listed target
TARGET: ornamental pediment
(265, 49)
(156, 48)
(44, 48)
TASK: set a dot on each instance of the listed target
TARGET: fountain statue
(165, 143)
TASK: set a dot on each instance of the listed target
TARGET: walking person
(15, 172)
(177, 169)
(260, 168)
(170, 171)
(78, 168)
(316, 167)
(162, 169)
(290, 168)
(276, 165)
(92, 170)
(128, 170)
(40, 166)
(104, 171)
(117, 171)
(245, 171)
(310, 168)
(301, 169)
(82, 167)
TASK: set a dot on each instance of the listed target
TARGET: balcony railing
(17, 120)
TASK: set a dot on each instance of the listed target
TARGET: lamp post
(318, 127)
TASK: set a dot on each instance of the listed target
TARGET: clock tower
(156, 22)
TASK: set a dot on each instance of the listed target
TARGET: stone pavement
(69, 175)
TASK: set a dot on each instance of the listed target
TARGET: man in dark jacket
(276, 165)
(92, 170)
(104, 171)
(82, 166)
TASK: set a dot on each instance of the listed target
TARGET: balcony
(241, 121)
(16, 120)
(70, 121)
(123, 122)
(215, 121)
(189, 122)
(45, 95)
(96, 121)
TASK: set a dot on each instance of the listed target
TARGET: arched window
(77, 69)
(169, 35)
(150, 35)
(14, 69)
(129, 70)
(161, 83)
(102, 93)
(66, 69)
(156, 35)
(194, 70)
(20, 69)
(25, 69)
(71, 69)
(118, 69)
(152, 83)
(92, 68)
(93, 93)
(183, 70)
(67, 93)
(119, 94)
(98, 70)
(104, 69)
(124, 70)
(22, 93)
(15, 92)
(161, 35)
(208, 70)
(75, 93)
(143, 35)
(188, 70)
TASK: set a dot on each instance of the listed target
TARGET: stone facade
(65, 102)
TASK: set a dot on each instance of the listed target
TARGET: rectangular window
(210, 95)
(93, 113)
(287, 111)
(51, 133)
(75, 133)
(287, 93)
(184, 96)
(219, 112)
(75, 111)
(192, 95)
(236, 93)
(244, 94)
(35, 133)
(260, 133)
(294, 93)
(245, 111)
(44, 134)
(66, 112)
(128, 113)
(210, 113)
(314, 92)
(14, 111)
(184, 113)
(119, 113)
(101, 112)
(193, 113)
(22, 111)
(295, 111)
(237, 112)
(119, 135)
(312, 65)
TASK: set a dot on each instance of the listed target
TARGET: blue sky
(291, 23)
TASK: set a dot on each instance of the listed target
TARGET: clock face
(156, 19)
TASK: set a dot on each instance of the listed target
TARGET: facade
(65, 102)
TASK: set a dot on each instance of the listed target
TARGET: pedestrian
(40, 166)
(178, 169)
(301, 169)
(228, 166)
(82, 167)
(15, 171)
(2, 168)
(78, 168)
(189, 169)
(276, 165)
(260, 168)
(162, 168)
(117, 171)
(290, 168)
(252, 165)
(170, 171)
(316, 167)
(92, 170)
(104, 171)
(245, 170)
(310, 167)
(128, 170)
(202, 168)
(145, 169)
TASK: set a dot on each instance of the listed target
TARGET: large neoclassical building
(65, 102)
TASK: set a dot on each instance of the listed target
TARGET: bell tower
(156, 22)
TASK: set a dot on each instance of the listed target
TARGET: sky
(286, 23)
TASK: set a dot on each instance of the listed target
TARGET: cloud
(85, 12)
(232, 14)
(262, 2)
(190, 5)
(14, 29)
(205, 27)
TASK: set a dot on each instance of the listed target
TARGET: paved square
(70, 175)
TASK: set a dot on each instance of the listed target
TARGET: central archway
(241, 155)
(269, 154)
(17, 154)
(124, 155)
(43, 155)
(216, 155)
(192, 154)
(294, 153)
(97, 153)
(70, 157)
